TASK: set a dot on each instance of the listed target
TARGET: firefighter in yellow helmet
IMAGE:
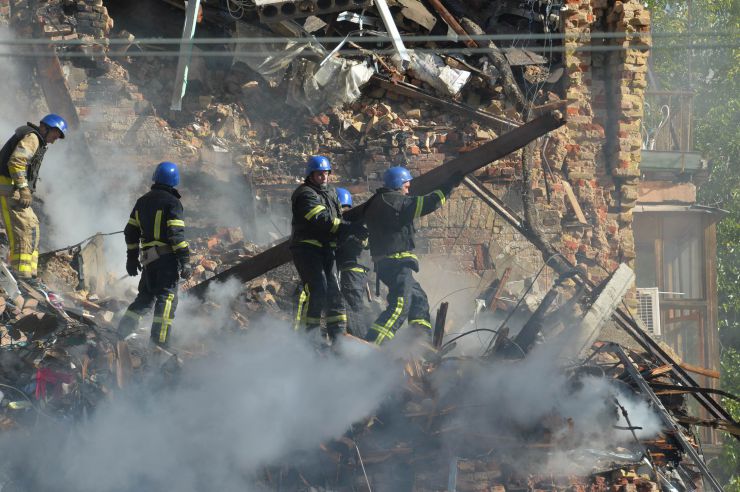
(20, 161)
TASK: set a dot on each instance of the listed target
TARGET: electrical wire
(259, 54)
(588, 37)
(67, 248)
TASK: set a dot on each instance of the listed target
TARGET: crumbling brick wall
(603, 156)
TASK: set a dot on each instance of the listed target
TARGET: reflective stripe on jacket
(317, 217)
(157, 220)
(390, 216)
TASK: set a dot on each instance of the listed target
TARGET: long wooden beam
(426, 183)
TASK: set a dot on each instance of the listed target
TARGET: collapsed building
(540, 101)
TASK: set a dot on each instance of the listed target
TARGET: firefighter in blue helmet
(352, 273)
(390, 215)
(156, 233)
(20, 161)
(316, 226)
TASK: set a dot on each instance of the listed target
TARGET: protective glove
(186, 270)
(359, 230)
(25, 198)
(133, 267)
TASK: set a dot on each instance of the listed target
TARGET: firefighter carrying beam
(390, 215)
(352, 273)
(20, 161)
(156, 229)
(316, 226)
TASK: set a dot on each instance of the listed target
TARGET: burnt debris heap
(539, 102)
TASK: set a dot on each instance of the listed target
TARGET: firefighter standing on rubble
(20, 161)
(390, 215)
(156, 229)
(352, 273)
(316, 225)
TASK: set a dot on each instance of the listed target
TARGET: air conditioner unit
(649, 311)
(280, 10)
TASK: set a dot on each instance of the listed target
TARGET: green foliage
(714, 76)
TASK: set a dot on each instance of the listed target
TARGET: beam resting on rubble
(622, 317)
(426, 183)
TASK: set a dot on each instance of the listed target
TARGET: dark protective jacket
(390, 215)
(18, 166)
(317, 217)
(157, 221)
(350, 250)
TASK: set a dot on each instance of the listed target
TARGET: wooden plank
(51, 80)
(439, 325)
(124, 367)
(493, 303)
(710, 373)
(573, 202)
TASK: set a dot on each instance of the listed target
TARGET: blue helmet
(166, 174)
(317, 163)
(345, 197)
(395, 177)
(55, 121)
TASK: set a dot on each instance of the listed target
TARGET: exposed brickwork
(93, 19)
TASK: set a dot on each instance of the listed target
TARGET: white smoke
(511, 399)
(260, 398)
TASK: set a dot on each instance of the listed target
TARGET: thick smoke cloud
(514, 399)
(262, 397)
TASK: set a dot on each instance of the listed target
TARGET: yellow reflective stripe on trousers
(354, 269)
(180, 245)
(419, 206)
(387, 329)
(157, 224)
(335, 225)
(441, 196)
(175, 223)
(336, 319)
(313, 242)
(421, 322)
(166, 318)
(383, 333)
(314, 211)
(8, 225)
(302, 305)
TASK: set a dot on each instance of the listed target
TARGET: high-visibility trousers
(406, 300)
(353, 282)
(22, 229)
(158, 287)
(320, 295)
